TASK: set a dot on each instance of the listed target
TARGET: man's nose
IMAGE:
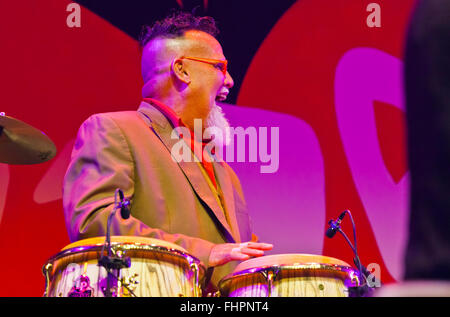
(228, 81)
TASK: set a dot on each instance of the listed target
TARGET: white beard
(218, 124)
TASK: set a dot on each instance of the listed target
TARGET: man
(197, 205)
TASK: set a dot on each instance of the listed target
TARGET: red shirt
(177, 122)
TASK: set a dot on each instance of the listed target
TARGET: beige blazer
(172, 201)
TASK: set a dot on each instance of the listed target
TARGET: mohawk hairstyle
(176, 24)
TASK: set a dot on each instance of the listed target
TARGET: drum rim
(279, 267)
(129, 246)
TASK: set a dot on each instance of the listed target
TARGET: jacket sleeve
(101, 162)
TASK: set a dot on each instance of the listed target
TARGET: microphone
(125, 210)
(124, 205)
(334, 225)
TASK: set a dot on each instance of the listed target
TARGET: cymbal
(21, 143)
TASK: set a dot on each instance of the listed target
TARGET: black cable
(358, 264)
(356, 260)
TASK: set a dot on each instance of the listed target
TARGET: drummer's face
(208, 80)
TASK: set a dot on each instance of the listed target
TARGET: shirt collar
(173, 118)
(167, 111)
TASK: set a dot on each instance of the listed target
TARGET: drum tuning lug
(133, 279)
(46, 271)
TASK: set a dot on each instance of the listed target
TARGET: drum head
(283, 260)
(125, 240)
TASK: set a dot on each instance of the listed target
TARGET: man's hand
(226, 252)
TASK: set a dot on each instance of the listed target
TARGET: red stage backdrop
(330, 83)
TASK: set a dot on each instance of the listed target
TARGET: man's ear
(179, 70)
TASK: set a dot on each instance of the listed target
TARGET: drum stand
(113, 263)
(365, 290)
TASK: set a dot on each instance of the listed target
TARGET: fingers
(252, 252)
(237, 255)
(249, 249)
(223, 253)
(258, 245)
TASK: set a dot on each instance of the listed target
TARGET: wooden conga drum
(289, 275)
(157, 269)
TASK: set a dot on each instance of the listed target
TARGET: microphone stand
(360, 290)
(113, 263)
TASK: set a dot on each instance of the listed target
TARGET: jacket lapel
(192, 170)
(226, 187)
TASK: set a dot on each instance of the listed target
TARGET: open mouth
(221, 97)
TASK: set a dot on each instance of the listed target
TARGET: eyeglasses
(220, 64)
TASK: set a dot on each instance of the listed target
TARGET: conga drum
(289, 275)
(157, 269)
